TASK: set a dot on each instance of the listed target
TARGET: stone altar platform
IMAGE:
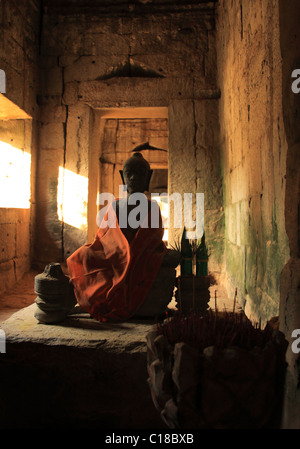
(76, 374)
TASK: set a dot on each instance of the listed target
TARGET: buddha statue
(127, 271)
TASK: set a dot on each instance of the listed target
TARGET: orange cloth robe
(113, 277)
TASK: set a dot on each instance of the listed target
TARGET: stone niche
(111, 83)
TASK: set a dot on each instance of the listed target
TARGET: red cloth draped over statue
(113, 277)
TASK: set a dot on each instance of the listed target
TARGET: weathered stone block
(31, 85)
(52, 81)
(8, 241)
(48, 241)
(12, 132)
(111, 389)
(22, 265)
(86, 68)
(13, 52)
(47, 181)
(52, 136)
(8, 215)
(138, 92)
(64, 60)
(71, 95)
(7, 275)
(14, 22)
(61, 37)
(31, 49)
(176, 43)
(22, 239)
(53, 113)
(182, 149)
(47, 61)
(106, 44)
(77, 144)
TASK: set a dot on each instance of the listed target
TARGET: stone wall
(254, 151)
(129, 64)
(19, 31)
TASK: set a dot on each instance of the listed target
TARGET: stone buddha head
(136, 174)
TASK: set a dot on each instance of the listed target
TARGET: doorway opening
(117, 134)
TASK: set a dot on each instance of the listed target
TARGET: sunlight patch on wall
(162, 201)
(14, 177)
(72, 195)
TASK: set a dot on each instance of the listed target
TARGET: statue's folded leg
(161, 292)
